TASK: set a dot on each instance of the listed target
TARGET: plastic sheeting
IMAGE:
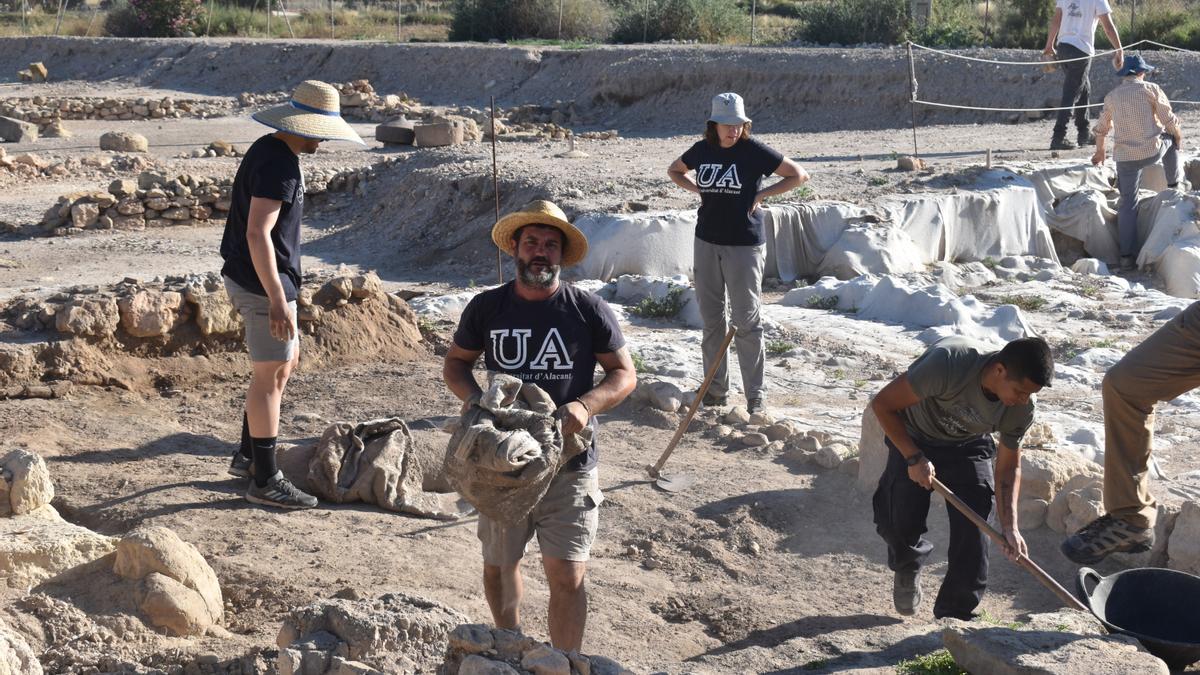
(1170, 223)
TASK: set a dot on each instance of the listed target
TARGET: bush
(522, 19)
(1024, 24)
(121, 21)
(1178, 28)
(158, 18)
(851, 22)
(953, 24)
(713, 21)
(663, 308)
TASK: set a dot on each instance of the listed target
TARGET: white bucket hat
(728, 108)
(315, 111)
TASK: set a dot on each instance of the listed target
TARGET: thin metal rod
(496, 191)
(912, 96)
(1030, 566)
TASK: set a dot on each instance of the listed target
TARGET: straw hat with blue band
(315, 111)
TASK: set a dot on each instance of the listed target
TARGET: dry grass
(75, 24)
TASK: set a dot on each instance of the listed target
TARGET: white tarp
(656, 244)
(1172, 240)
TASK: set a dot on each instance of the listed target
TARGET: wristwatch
(915, 459)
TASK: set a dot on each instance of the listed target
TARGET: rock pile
(151, 201)
(36, 72)
(476, 649)
(28, 165)
(45, 110)
(395, 632)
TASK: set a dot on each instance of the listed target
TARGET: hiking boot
(241, 466)
(906, 592)
(755, 405)
(711, 401)
(280, 492)
(1061, 144)
(1104, 536)
(1085, 137)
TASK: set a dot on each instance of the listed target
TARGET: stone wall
(45, 110)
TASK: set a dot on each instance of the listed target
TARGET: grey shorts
(255, 309)
(565, 522)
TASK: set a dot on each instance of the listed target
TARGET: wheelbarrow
(1156, 606)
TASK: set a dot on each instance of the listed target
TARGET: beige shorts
(565, 522)
(255, 309)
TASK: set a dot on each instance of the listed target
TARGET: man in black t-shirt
(551, 334)
(261, 248)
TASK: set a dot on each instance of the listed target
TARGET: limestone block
(397, 132)
(123, 187)
(1031, 513)
(1076, 504)
(17, 131)
(130, 206)
(478, 665)
(365, 286)
(1044, 472)
(872, 452)
(25, 483)
(158, 549)
(1183, 548)
(178, 213)
(57, 129)
(16, 657)
(663, 396)
(214, 313)
(170, 605)
(754, 439)
(94, 317)
(736, 416)
(435, 135)
(40, 544)
(832, 455)
(84, 214)
(123, 141)
(546, 661)
(39, 72)
(149, 313)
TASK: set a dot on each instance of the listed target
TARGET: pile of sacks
(46, 110)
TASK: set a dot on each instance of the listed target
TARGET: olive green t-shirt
(953, 406)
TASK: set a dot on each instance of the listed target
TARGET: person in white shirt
(1072, 36)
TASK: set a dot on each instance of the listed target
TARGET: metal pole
(753, 16)
(268, 18)
(62, 7)
(496, 190)
(560, 13)
(912, 95)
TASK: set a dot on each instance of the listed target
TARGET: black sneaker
(755, 405)
(711, 401)
(1085, 138)
(1062, 144)
(1104, 536)
(906, 592)
(280, 492)
(241, 466)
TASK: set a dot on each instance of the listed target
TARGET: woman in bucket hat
(261, 248)
(730, 249)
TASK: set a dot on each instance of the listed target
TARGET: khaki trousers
(1161, 368)
(737, 270)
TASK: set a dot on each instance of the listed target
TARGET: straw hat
(315, 111)
(541, 212)
(729, 109)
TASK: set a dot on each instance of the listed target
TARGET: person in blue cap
(1146, 132)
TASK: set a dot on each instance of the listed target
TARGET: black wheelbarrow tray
(1159, 607)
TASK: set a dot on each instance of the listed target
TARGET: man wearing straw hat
(552, 334)
(261, 248)
(1146, 132)
(1073, 32)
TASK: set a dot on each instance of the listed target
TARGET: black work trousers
(1076, 91)
(901, 508)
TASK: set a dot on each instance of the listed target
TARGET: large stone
(39, 71)
(89, 317)
(150, 313)
(365, 286)
(123, 187)
(396, 132)
(1183, 548)
(478, 665)
(1044, 472)
(435, 135)
(663, 396)
(872, 452)
(1077, 503)
(17, 131)
(375, 630)
(25, 483)
(170, 605)
(1031, 513)
(832, 455)
(123, 141)
(84, 214)
(158, 549)
(16, 657)
(40, 545)
(1062, 643)
(1192, 171)
(546, 661)
(215, 314)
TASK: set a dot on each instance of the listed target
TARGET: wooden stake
(912, 96)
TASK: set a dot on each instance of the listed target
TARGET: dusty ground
(763, 566)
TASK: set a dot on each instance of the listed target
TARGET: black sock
(264, 460)
(246, 448)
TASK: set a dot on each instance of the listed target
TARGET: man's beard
(543, 279)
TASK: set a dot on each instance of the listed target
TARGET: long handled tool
(1032, 567)
(679, 481)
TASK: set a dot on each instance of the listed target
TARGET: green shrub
(712, 21)
(1170, 26)
(121, 21)
(521, 19)
(165, 18)
(850, 22)
(779, 347)
(817, 302)
(937, 663)
(1024, 23)
(660, 308)
(953, 24)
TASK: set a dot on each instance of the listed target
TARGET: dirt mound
(640, 88)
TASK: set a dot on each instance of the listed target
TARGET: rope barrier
(1045, 63)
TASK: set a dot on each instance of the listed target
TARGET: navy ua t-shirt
(728, 179)
(551, 343)
(269, 170)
